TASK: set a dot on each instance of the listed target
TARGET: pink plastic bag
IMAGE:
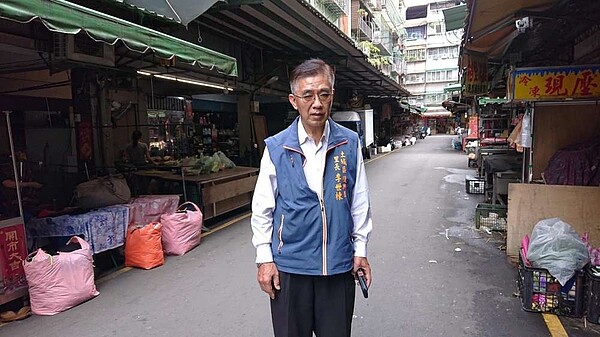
(59, 282)
(593, 252)
(181, 230)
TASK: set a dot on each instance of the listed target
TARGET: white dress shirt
(265, 193)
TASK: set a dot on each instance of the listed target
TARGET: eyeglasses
(324, 97)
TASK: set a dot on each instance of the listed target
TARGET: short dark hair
(311, 67)
(136, 136)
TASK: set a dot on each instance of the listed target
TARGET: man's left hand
(362, 262)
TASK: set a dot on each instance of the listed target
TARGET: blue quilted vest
(312, 236)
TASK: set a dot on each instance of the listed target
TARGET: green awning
(68, 18)
(181, 11)
(453, 87)
(417, 110)
(455, 17)
(483, 101)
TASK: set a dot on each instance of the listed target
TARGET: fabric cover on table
(148, 208)
(103, 228)
(577, 164)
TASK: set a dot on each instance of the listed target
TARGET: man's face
(312, 98)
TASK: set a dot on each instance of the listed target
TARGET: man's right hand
(268, 278)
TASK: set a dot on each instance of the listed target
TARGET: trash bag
(555, 246)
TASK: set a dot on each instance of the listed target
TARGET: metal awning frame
(294, 30)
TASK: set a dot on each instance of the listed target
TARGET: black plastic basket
(593, 297)
(541, 292)
(491, 216)
(475, 185)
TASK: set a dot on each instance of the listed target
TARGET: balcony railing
(399, 67)
(383, 40)
(336, 7)
(394, 14)
(386, 69)
(366, 29)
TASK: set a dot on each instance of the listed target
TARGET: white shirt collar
(303, 137)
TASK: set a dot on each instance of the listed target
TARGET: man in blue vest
(311, 217)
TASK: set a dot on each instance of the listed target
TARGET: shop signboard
(555, 83)
(476, 79)
(13, 251)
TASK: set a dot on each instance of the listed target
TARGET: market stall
(216, 193)
(565, 113)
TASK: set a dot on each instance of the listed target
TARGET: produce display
(198, 165)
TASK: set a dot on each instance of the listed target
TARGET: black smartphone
(362, 281)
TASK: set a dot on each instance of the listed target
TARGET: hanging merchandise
(526, 130)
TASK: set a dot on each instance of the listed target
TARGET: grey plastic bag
(556, 246)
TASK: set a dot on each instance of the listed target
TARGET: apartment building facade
(431, 54)
(375, 26)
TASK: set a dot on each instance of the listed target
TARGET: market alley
(434, 274)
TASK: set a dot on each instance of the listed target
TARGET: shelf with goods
(170, 134)
(218, 131)
(495, 125)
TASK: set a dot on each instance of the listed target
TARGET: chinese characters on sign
(557, 82)
(13, 251)
(340, 166)
(476, 81)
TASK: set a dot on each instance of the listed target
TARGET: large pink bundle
(59, 282)
(181, 230)
(148, 208)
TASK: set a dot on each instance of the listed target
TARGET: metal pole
(531, 149)
(14, 162)
(183, 185)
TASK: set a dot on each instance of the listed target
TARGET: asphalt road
(422, 285)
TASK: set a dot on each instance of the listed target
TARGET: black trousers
(320, 304)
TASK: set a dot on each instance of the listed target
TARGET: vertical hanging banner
(13, 251)
(551, 83)
(476, 79)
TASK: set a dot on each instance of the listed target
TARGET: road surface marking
(227, 224)
(555, 326)
(113, 275)
(378, 157)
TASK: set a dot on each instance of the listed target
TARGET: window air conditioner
(81, 48)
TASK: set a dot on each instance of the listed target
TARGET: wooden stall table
(216, 193)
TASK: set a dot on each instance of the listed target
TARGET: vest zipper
(280, 235)
(324, 216)
(323, 213)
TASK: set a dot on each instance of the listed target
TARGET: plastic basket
(593, 297)
(475, 185)
(541, 292)
(491, 216)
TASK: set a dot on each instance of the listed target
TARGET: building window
(416, 100)
(442, 75)
(415, 55)
(415, 78)
(435, 28)
(416, 12)
(416, 33)
(435, 98)
(442, 53)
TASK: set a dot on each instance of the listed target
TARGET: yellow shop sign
(553, 83)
